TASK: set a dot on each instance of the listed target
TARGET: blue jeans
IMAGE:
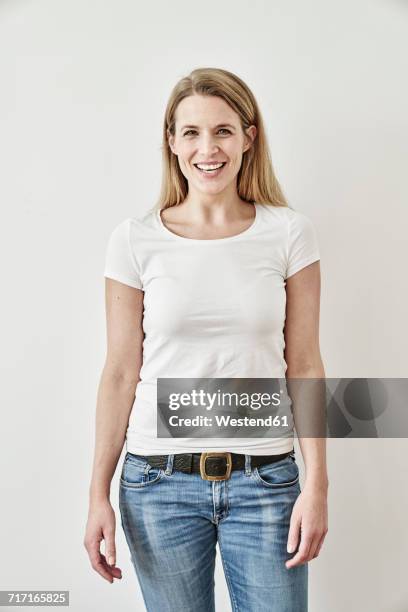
(173, 520)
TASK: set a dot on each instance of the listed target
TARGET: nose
(207, 145)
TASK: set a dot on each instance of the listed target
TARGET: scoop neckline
(209, 240)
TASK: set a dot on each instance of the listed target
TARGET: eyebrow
(217, 126)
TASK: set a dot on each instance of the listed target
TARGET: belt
(212, 465)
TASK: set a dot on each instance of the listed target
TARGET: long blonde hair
(256, 180)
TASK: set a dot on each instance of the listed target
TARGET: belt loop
(248, 467)
(169, 468)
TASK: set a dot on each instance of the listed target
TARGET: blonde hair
(256, 180)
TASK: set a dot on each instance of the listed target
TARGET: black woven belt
(212, 465)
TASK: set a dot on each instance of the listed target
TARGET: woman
(220, 280)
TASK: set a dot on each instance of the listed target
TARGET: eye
(220, 130)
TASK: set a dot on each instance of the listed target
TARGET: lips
(211, 172)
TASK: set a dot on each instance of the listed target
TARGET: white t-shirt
(212, 309)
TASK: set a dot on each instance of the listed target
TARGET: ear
(170, 139)
(250, 135)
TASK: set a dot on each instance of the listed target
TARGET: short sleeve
(120, 261)
(303, 248)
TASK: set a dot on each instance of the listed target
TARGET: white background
(83, 87)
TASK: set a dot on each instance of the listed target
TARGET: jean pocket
(137, 473)
(280, 474)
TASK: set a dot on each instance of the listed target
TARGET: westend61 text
(227, 421)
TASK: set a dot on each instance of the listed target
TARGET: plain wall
(83, 87)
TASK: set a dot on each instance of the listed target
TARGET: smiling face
(208, 134)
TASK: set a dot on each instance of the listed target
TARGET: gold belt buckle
(203, 459)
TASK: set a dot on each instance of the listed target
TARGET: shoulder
(289, 216)
(272, 211)
(131, 227)
(125, 250)
(291, 222)
(300, 225)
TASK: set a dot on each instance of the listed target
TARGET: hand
(101, 526)
(309, 524)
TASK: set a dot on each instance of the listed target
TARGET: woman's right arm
(116, 394)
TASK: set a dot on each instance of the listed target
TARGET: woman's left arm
(309, 520)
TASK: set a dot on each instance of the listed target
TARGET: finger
(92, 547)
(116, 572)
(298, 559)
(95, 557)
(302, 554)
(313, 547)
(316, 554)
(110, 548)
(100, 567)
(98, 563)
(294, 534)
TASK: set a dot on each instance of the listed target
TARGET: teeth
(209, 166)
